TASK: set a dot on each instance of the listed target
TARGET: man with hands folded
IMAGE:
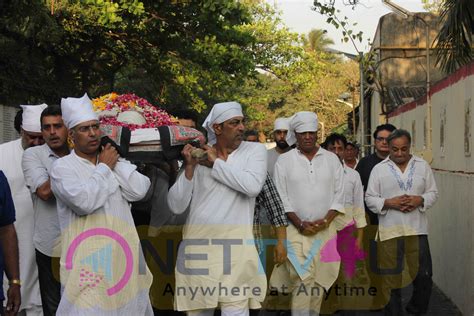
(400, 191)
(310, 182)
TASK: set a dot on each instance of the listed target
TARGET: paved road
(440, 305)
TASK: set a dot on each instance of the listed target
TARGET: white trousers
(239, 308)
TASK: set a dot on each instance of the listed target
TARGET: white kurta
(272, 157)
(222, 201)
(10, 163)
(310, 189)
(387, 181)
(104, 274)
(353, 201)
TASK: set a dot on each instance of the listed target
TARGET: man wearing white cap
(310, 182)
(218, 264)
(280, 131)
(10, 163)
(102, 271)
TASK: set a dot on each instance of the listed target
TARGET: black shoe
(376, 310)
(412, 310)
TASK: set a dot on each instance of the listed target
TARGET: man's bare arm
(9, 243)
(44, 191)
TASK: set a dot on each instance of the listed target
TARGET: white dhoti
(218, 265)
(312, 267)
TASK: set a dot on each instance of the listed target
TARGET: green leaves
(173, 53)
(434, 6)
(455, 39)
(333, 18)
(110, 13)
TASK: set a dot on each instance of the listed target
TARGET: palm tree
(317, 41)
(455, 39)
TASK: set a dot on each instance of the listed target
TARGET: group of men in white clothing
(64, 198)
(78, 216)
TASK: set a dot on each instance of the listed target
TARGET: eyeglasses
(85, 129)
(381, 139)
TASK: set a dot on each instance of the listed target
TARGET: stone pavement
(440, 305)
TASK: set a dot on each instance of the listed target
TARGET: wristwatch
(14, 282)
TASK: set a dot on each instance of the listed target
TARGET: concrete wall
(401, 49)
(451, 239)
(7, 130)
(399, 46)
(452, 159)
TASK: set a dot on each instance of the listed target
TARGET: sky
(299, 17)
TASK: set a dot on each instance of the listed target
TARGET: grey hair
(399, 133)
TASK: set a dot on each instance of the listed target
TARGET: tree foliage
(176, 54)
(312, 84)
(333, 15)
(455, 39)
(433, 6)
(317, 40)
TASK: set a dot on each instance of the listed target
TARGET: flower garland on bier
(130, 111)
(142, 131)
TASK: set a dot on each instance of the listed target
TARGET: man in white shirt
(351, 155)
(37, 162)
(280, 130)
(102, 269)
(353, 190)
(401, 189)
(310, 182)
(251, 135)
(217, 262)
(350, 226)
(10, 163)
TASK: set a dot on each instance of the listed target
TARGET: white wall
(7, 117)
(452, 218)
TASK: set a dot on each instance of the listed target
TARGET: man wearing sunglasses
(364, 167)
(102, 271)
(366, 164)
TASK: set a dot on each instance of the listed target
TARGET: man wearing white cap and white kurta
(218, 264)
(310, 182)
(280, 130)
(10, 163)
(102, 271)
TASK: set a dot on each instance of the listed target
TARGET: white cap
(220, 112)
(282, 123)
(31, 117)
(77, 110)
(301, 122)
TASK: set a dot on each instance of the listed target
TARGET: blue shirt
(7, 217)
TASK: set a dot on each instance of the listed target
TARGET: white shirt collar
(413, 157)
